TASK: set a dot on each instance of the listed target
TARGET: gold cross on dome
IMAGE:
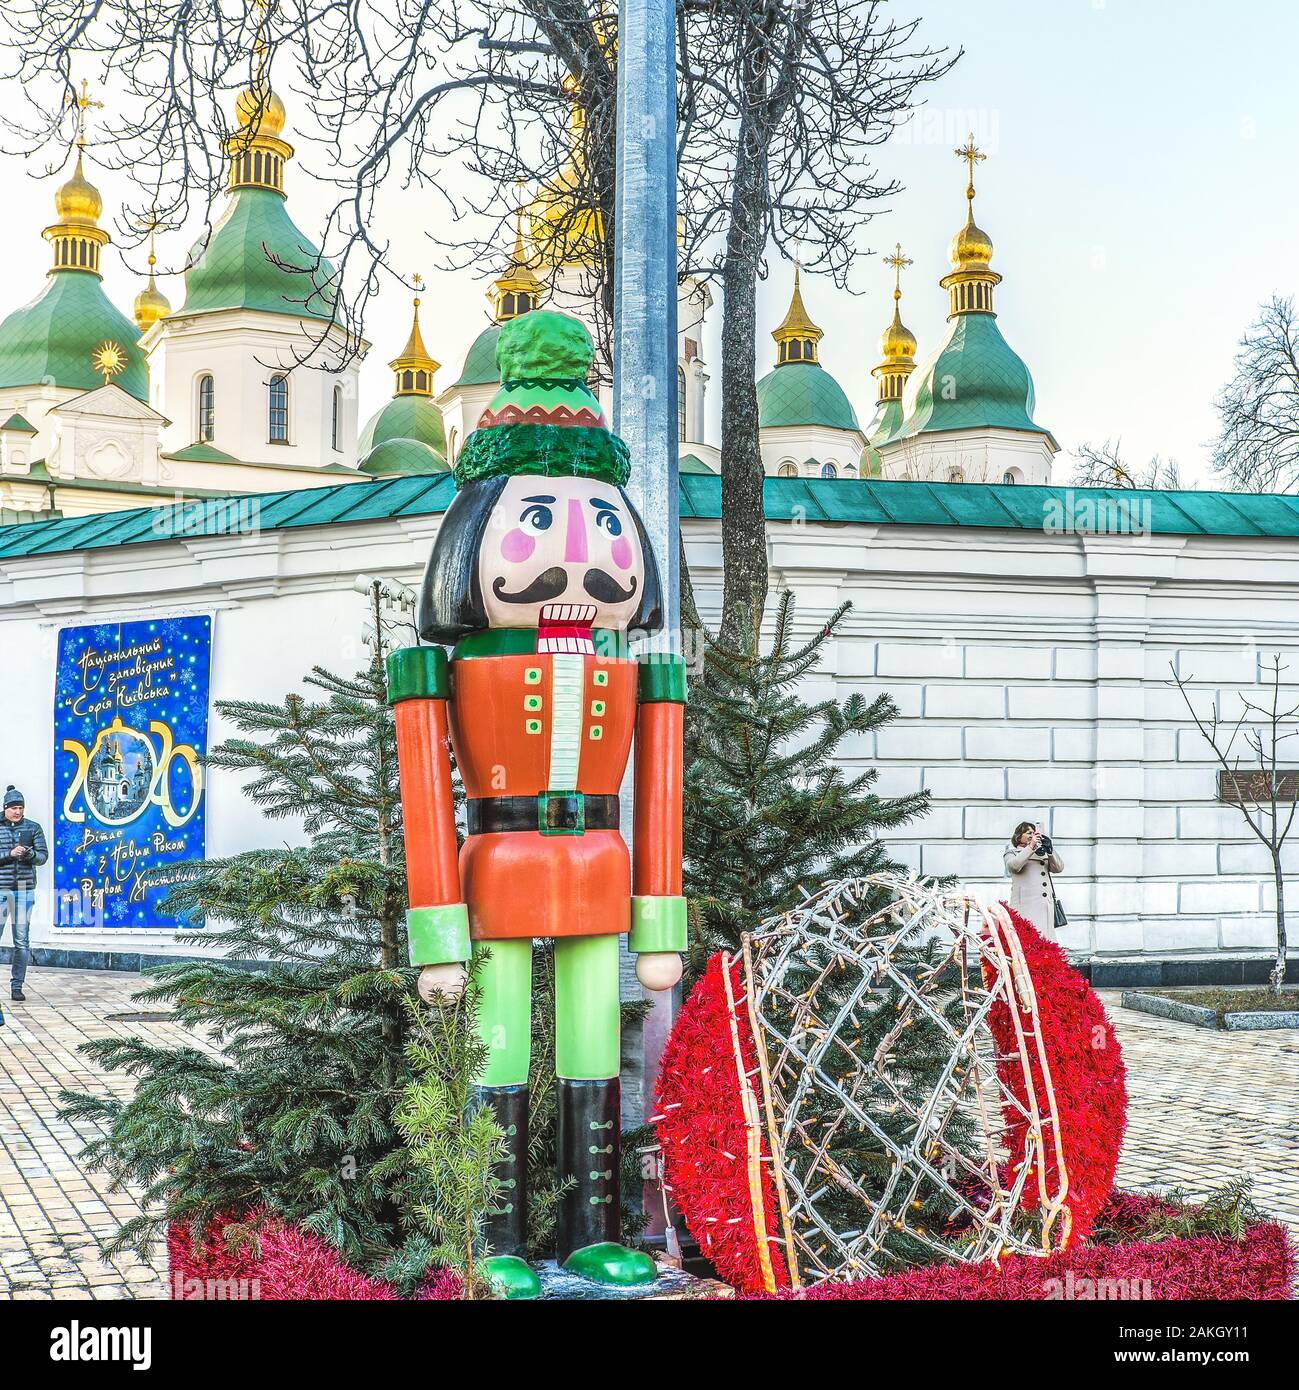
(898, 261)
(84, 103)
(972, 155)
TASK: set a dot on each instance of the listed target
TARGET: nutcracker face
(530, 551)
(561, 550)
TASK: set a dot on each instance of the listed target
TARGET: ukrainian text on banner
(130, 733)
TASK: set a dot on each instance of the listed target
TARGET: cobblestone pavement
(1204, 1107)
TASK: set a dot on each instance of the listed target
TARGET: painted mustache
(549, 584)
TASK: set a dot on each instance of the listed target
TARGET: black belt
(552, 813)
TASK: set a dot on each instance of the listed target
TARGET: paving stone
(1204, 1108)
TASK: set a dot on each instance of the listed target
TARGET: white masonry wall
(1032, 677)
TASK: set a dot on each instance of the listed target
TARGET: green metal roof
(402, 456)
(201, 453)
(256, 259)
(480, 367)
(404, 417)
(843, 501)
(692, 463)
(16, 424)
(50, 340)
(803, 393)
(974, 381)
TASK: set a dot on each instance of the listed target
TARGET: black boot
(506, 1232)
(590, 1212)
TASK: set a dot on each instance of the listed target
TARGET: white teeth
(568, 612)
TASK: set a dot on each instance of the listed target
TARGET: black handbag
(1060, 919)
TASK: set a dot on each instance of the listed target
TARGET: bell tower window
(278, 410)
(206, 409)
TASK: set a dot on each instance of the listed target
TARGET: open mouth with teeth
(565, 627)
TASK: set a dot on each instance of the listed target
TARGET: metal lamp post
(645, 345)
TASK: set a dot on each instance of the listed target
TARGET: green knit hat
(545, 419)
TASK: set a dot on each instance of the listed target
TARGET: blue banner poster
(130, 734)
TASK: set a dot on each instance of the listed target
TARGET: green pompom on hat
(545, 419)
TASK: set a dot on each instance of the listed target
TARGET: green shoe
(608, 1263)
(510, 1276)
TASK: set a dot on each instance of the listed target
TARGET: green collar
(522, 641)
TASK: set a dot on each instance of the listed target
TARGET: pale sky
(1140, 192)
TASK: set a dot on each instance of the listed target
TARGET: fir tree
(768, 809)
(446, 1185)
(292, 1107)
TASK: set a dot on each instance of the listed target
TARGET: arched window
(828, 470)
(1009, 477)
(336, 421)
(278, 412)
(681, 404)
(956, 476)
(206, 409)
(787, 470)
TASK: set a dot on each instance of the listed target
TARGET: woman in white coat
(1032, 893)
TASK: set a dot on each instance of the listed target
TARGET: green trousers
(587, 1021)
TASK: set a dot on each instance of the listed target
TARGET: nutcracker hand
(442, 984)
(658, 970)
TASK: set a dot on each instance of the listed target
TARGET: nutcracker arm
(438, 921)
(658, 912)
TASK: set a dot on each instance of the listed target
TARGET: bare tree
(1102, 466)
(788, 97)
(1254, 780)
(780, 103)
(1257, 449)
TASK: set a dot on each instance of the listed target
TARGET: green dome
(405, 417)
(480, 361)
(885, 424)
(51, 339)
(803, 393)
(234, 270)
(974, 381)
(402, 456)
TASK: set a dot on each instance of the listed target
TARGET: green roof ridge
(995, 506)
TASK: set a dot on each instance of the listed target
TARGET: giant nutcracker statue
(540, 571)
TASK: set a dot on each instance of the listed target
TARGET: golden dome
(78, 200)
(259, 110)
(971, 247)
(898, 343)
(150, 304)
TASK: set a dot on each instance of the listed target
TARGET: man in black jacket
(22, 852)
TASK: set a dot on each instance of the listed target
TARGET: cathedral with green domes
(250, 385)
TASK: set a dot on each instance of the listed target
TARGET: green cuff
(662, 679)
(418, 673)
(657, 924)
(438, 935)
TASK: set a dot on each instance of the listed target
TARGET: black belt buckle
(561, 813)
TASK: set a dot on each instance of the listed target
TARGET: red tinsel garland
(271, 1260)
(702, 1132)
(1087, 1076)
